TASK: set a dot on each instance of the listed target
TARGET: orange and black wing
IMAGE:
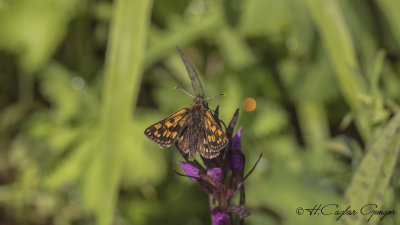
(203, 149)
(165, 132)
(184, 141)
(216, 138)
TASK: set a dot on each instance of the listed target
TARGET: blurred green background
(80, 80)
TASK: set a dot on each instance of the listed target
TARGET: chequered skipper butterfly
(194, 128)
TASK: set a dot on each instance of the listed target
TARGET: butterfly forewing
(194, 78)
(214, 135)
(165, 132)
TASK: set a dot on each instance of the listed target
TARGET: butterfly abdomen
(195, 127)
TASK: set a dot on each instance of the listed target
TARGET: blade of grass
(390, 9)
(337, 41)
(372, 177)
(376, 70)
(315, 129)
(124, 62)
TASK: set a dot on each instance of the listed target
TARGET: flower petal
(221, 219)
(190, 170)
(215, 173)
(236, 143)
(238, 211)
(236, 160)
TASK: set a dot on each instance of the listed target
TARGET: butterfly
(194, 128)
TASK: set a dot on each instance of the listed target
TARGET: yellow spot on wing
(157, 126)
(168, 124)
(213, 128)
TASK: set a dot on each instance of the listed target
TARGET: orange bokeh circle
(249, 104)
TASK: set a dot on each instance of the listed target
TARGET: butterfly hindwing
(215, 137)
(203, 149)
(184, 141)
(165, 132)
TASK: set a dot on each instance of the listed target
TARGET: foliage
(81, 80)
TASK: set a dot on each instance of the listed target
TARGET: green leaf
(337, 40)
(370, 181)
(265, 17)
(122, 79)
(182, 35)
(234, 49)
(33, 29)
(70, 168)
(69, 101)
(315, 129)
(376, 69)
(390, 9)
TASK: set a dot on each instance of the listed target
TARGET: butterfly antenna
(222, 94)
(180, 89)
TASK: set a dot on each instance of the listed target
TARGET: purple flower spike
(236, 144)
(215, 173)
(236, 161)
(214, 179)
(221, 219)
(190, 170)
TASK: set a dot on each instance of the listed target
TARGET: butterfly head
(200, 102)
